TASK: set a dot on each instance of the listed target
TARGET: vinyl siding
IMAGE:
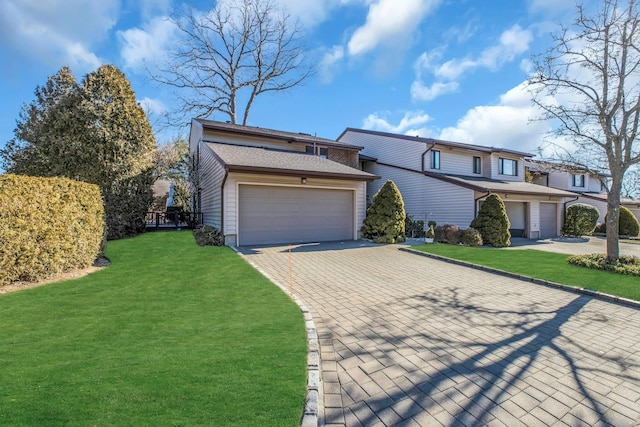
(426, 198)
(389, 150)
(211, 177)
(601, 205)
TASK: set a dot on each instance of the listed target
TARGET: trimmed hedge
(47, 226)
(628, 265)
(627, 223)
(581, 219)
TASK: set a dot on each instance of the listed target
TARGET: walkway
(407, 340)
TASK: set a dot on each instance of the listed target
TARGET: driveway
(407, 340)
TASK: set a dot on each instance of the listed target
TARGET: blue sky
(450, 69)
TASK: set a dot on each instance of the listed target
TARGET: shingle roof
(275, 134)
(625, 201)
(492, 185)
(237, 158)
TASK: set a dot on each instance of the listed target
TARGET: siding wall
(389, 150)
(495, 167)
(211, 176)
(426, 198)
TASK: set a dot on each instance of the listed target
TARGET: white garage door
(516, 211)
(270, 215)
(548, 220)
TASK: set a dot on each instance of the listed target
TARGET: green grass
(171, 334)
(542, 265)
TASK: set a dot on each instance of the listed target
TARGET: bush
(385, 217)
(628, 265)
(493, 223)
(208, 236)
(627, 223)
(47, 226)
(431, 223)
(601, 228)
(581, 219)
(430, 233)
(471, 237)
(413, 228)
(447, 233)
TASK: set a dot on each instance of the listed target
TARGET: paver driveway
(407, 340)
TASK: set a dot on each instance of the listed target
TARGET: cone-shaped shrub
(628, 225)
(581, 219)
(493, 223)
(385, 217)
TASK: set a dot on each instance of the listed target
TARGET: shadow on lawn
(472, 384)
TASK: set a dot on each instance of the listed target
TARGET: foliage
(133, 344)
(385, 218)
(95, 132)
(431, 233)
(627, 223)
(208, 236)
(586, 83)
(628, 265)
(431, 223)
(171, 163)
(47, 226)
(493, 223)
(413, 228)
(447, 233)
(580, 220)
(225, 59)
(471, 237)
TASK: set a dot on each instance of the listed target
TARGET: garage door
(516, 211)
(548, 220)
(270, 215)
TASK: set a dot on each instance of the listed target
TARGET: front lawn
(542, 265)
(170, 334)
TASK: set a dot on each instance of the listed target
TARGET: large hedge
(493, 223)
(580, 220)
(386, 216)
(627, 224)
(47, 226)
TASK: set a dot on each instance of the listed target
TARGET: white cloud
(329, 62)
(389, 21)
(412, 123)
(57, 32)
(153, 106)
(551, 8)
(421, 92)
(148, 42)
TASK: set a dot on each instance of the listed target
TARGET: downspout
(224, 180)
(433, 144)
(475, 204)
(565, 205)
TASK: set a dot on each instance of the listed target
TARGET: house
(263, 186)
(447, 181)
(588, 185)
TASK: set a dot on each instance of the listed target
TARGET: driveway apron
(408, 340)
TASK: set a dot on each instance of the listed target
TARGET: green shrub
(493, 223)
(431, 223)
(208, 236)
(580, 220)
(413, 228)
(385, 217)
(47, 226)
(431, 233)
(601, 228)
(628, 265)
(627, 223)
(471, 237)
(447, 233)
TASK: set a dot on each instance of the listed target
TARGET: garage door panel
(293, 215)
(548, 220)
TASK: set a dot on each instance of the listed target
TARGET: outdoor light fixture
(303, 180)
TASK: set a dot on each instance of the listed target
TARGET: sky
(447, 69)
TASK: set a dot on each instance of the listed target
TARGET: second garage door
(273, 215)
(548, 220)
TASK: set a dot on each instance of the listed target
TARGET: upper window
(507, 167)
(578, 180)
(477, 165)
(435, 159)
(319, 151)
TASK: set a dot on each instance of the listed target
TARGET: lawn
(542, 265)
(171, 334)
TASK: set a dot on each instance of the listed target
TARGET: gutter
(224, 180)
(433, 144)
(565, 205)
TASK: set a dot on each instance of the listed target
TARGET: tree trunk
(613, 218)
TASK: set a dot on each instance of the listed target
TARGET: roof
(461, 145)
(497, 186)
(544, 167)
(240, 158)
(274, 134)
(625, 201)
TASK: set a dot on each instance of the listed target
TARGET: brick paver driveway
(407, 340)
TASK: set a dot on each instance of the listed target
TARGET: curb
(313, 400)
(595, 294)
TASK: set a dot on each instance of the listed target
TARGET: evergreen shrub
(627, 223)
(385, 218)
(471, 237)
(47, 226)
(493, 223)
(581, 220)
(447, 233)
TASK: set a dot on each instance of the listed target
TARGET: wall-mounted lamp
(506, 196)
(303, 180)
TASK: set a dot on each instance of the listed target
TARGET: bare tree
(224, 59)
(588, 83)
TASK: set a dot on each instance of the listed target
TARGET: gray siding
(389, 150)
(211, 176)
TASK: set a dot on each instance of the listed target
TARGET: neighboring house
(262, 186)
(588, 185)
(447, 181)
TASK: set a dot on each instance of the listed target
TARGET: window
(435, 159)
(477, 165)
(319, 151)
(578, 180)
(507, 167)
